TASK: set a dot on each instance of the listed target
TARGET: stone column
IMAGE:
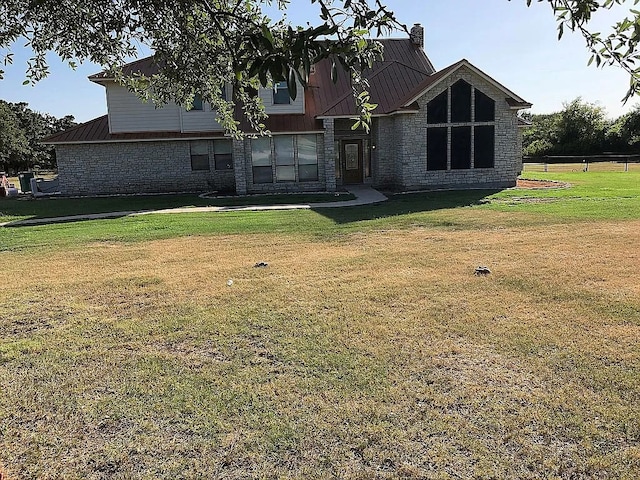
(239, 168)
(329, 154)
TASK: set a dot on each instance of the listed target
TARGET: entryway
(351, 162)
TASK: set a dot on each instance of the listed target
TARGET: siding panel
(129, 114)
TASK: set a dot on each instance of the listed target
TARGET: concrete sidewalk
(365, 195)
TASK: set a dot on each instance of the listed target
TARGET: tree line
(21, 130)
(581, 128)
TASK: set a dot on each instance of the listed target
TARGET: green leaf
(291, 83)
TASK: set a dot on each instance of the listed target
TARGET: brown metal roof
(97, 130)
(394, 84)
(145, 66)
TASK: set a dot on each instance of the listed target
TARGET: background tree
(21, 132)
(13, 143)
(581, 128)
(623, 135)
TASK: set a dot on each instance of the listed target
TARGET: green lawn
(27, 207)
(151, 347)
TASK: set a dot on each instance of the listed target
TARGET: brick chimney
(417, 35)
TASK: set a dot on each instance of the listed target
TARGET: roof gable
(512, 99)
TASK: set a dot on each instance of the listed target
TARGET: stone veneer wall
(135, 167)
(401, 146)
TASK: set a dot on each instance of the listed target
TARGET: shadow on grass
(403, 204)
(395, 206)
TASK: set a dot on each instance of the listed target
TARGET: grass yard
(29, 207)
(367, 349)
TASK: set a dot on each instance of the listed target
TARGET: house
(454, 128)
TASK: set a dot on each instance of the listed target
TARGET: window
(460, 147)
(199, 155)
(197, 103)
(455, 146)
(222, 154)
(307, 158)
(484, 146)
(281, 94)
(437, 109)
(261, 160)
(285, 161)
(295, 158)
(437, 148)
(366, 158)
(485, 107)
(336, 151)
(460, 102)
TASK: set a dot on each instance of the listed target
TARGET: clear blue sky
(514, 44)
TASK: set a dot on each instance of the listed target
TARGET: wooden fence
(584, 163)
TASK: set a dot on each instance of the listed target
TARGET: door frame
(356, 176)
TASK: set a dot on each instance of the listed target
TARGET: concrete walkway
(365, 195)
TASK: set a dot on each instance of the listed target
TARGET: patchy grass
(366, 349)
(372, 356)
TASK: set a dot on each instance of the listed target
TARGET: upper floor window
(281, 94)
(197, 103)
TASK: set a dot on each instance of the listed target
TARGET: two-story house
(455, 128)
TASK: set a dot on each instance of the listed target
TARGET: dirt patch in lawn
(536, 184)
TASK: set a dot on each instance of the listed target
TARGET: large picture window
(460, 148)
(437, 148)
(484, 146)
(261, 160)
(464, 137)
(285, 161)
(307, 158)
(294, 159)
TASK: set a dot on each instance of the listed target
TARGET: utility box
(25, 181)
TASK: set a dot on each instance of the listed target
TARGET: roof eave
(518, 104)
